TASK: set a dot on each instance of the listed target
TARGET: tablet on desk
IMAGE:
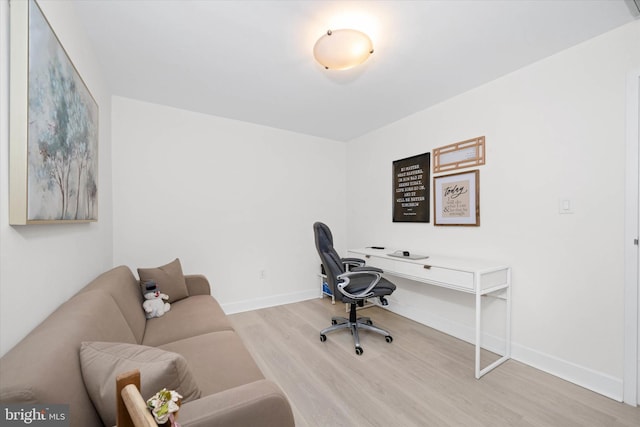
(407, 255)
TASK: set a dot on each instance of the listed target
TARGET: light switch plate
(565, 206)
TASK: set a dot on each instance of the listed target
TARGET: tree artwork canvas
(62, 131)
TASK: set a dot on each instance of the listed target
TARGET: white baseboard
(449, 327)
(588, 378)
(270, 301)
(585, 377)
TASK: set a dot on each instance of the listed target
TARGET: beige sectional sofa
(106, 323)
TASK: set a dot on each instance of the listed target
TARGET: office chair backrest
(327, 231)
(333, 266)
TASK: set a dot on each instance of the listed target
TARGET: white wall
(555, 129)
(43, 265)
(230, 199)
(236, 201)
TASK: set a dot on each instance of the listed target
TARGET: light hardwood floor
(422, 378)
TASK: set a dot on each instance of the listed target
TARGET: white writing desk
(465, 275)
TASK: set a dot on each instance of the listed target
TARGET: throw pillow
(101, 362)
(169, 278)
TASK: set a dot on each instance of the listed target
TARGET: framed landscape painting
(53, 127)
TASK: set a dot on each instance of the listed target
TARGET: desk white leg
(508, 316)
(507, 350)
(478, 330)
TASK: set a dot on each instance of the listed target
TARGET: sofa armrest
(257, 404)
(197, 284)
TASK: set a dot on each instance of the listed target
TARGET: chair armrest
(197, 284)
(367, 268)
(257, 404)
(353, 262)
(345, 278)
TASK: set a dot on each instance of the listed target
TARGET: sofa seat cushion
(218, 360)
(196, 315)
(102, 362)
(261, 403)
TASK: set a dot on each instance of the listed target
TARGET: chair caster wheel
(388, 338)
(323, 337)
(369, 322)
(334, 322)
(359, 351)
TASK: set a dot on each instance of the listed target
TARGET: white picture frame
(456, 199)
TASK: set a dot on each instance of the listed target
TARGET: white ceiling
(252, 60)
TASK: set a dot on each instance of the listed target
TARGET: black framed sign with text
(411, 189)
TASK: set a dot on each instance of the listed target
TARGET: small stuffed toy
(154, 306)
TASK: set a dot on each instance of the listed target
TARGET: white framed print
(456, 199)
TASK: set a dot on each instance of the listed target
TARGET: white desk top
(435, 260)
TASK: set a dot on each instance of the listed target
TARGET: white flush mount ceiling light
(342, 49)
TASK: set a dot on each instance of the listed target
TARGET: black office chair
(351, 282)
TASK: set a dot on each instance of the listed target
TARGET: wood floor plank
(423, 378)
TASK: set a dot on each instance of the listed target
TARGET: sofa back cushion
(169, 278)
(125, 290)
(44, 367)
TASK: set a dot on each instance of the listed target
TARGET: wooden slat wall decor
(463, 154)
